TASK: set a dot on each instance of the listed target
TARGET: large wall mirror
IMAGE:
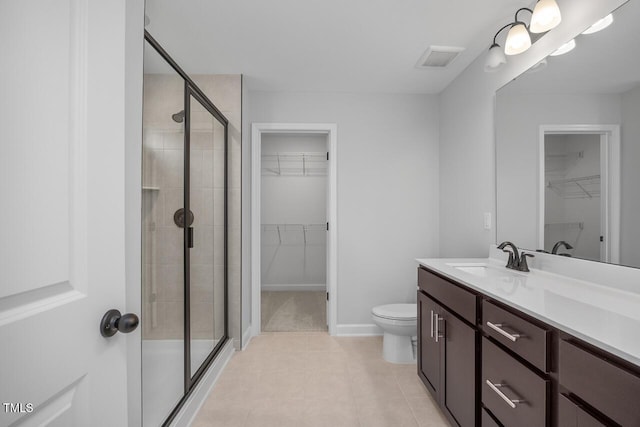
(568, 148)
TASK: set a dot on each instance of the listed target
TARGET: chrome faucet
(558, 245)
(516, 260)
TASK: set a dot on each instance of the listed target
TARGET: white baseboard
(237, 344)
(246, 337)
(190, 409)
(356, 330)
(295, 287)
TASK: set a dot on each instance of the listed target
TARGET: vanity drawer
(529, 341)
(458, 300)
(610, 389)
(571, 414)
(513, 393)
(487, 420)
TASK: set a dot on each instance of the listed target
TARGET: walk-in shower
(184, 289)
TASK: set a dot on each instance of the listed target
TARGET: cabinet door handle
(496, 388)
(431, 323)
(437, 331)
(498, 328)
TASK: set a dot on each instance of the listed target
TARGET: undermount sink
(478, 269)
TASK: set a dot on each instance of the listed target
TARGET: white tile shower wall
(467, 180)
(387, 155)
(163, 173)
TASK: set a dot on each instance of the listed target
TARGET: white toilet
(399, 323)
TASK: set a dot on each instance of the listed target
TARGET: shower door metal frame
(191, 89)
(192, 379)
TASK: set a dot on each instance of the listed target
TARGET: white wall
(246, 217)
(387, 175)
(630, 198)
(467, 180)
(518, 120)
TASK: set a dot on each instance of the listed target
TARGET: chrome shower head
(178, 117)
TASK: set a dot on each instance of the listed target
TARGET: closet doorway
(579, 200)
(293, 228)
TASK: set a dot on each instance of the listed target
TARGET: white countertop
(605, 316)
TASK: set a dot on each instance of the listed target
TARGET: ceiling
(326, 45)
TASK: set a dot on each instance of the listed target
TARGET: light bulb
(567, 47)
(518, 40)
(600, 25)
(546, 16)
(495, 59)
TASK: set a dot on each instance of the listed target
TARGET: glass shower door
(163, 384)
(206, 135)
(184, 291)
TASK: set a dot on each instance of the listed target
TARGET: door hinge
(327, 226)
(327, 155)
(602, 238)
(327, 296)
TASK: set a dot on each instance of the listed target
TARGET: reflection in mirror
(572, 195)
(568, 149)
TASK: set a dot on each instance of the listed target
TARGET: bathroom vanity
(499, 347)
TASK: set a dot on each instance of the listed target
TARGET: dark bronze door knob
(113, 321)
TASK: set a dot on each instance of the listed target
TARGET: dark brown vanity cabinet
(515, 362)
(528, 340)
(447, 356)
(515, 394)
(488, 364)
(609, 389)
(574, 414)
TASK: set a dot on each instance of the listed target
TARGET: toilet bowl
(399, 324)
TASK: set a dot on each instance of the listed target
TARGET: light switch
(487, 220)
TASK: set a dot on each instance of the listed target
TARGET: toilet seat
(396, 311)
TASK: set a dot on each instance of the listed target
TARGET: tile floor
(312, 379)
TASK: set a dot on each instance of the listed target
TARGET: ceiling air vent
(438, 56)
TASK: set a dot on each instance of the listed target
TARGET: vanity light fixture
(565, 48)
(518, 39)
(546, 16)
(600, 25)
(495, 57)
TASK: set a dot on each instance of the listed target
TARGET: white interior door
(62, 238)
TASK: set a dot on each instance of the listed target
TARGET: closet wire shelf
(294, 164)
(304, 229)
(565, 225)
(586, 187)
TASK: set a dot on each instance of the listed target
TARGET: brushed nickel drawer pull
(510, 402)
(498, 328)
(431, 323)
(437, 331)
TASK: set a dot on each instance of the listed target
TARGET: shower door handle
(190, 237)
(113, 321)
